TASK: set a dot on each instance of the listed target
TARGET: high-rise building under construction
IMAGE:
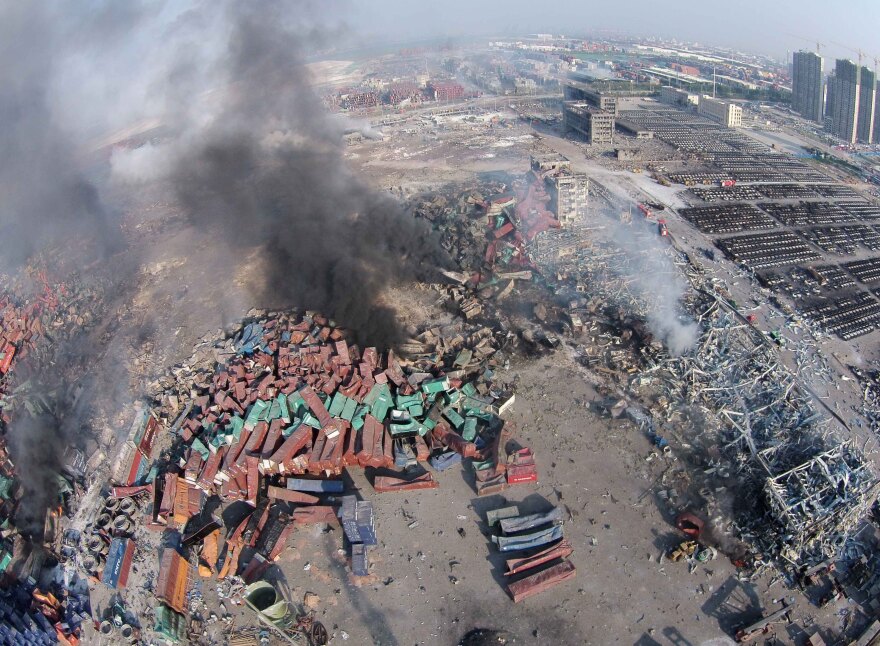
(844, 94)
(808, 85)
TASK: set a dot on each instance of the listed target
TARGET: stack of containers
(358, 523)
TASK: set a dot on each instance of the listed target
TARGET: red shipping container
(6, 363)
(135, 468)
(149, 438)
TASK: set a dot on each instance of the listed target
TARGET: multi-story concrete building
(569, 196)
(844, 93)
(569, 191)
(675, 96)
(591, 122)
(808, 85)
(867, 106)
(583, 93)
(729, 114)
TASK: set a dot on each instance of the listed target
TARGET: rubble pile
(460, 227)
(295, 398)
(489, 231)
(604, 307)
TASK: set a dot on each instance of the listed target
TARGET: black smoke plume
(269, 171)
(49, 206)
(46, 196)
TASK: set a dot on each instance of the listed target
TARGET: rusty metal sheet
(562, 549)
(388, 484)
(149, 437)
(173, 580)
(541, 581)
(280, 493)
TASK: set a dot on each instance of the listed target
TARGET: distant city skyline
(772, 28)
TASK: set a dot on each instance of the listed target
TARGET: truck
(645, 210)
(727, 183)
(661, 228)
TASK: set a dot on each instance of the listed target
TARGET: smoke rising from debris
(654, 278)
(48, 200)
(46, 196)
(39, 488)
(266, 170)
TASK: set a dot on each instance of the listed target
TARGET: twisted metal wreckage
(815, 487)
(803, 488)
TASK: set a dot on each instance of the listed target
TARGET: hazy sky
(765, 26)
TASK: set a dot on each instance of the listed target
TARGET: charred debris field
(183, 502)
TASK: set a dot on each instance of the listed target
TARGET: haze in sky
(770, 27)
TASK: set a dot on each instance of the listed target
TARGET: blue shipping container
(113, 567)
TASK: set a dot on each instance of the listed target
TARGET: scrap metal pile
(540, 552)
(597, 281)
(870, 383)
(491, 227)
(272, 414)
(295, 398)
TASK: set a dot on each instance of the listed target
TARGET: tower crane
(819, 45)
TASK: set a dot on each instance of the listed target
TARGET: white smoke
(653, 277)
(147, 163)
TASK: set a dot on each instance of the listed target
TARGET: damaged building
(568, 191)
(589, 112)
(584, 93)
(589, 121)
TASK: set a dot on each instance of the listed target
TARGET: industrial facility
(594, 124)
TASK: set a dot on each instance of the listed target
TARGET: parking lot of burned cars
(773, 213)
